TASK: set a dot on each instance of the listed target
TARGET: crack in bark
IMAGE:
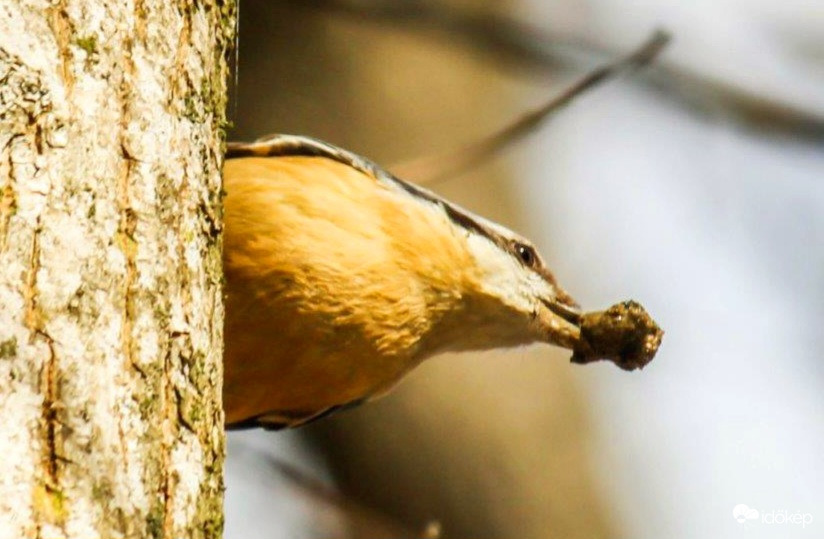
(49, 389)
(30, 317)
(140, 20)
(50, 406)
(8, 200)
(127, 227)
(128, 219)
(180, 60)
(62, 27)
(128, 246)
(167, 395)
(184, 338)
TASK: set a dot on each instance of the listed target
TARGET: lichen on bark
(111, 118)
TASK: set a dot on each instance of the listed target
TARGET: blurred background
(695, 187)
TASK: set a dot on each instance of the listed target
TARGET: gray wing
(289, 419)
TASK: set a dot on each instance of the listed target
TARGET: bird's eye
(526, 254)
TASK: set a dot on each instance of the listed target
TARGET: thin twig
(518, 43)
(431, 169)
(361, 515)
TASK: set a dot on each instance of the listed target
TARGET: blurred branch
(486, 32)
(430, 169)
(511, 40)
(367, 522)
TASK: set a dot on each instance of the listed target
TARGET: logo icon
(743, 513)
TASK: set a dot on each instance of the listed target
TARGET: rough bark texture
(110, 270)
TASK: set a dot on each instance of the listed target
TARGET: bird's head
(512, 297)
(487, 286)
(509, 296)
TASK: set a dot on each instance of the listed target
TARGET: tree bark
(111, 118)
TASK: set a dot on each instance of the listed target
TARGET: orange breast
(333, 282)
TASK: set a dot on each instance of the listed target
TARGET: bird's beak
(561, 320)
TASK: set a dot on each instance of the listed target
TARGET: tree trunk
(111, 314)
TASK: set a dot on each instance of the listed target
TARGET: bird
(341, 278)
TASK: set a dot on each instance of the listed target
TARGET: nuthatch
(341, 278)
